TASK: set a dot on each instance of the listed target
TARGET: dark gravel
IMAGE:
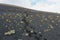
(28, 24)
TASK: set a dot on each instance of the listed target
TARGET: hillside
(18, 23)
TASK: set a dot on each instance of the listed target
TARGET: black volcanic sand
(17, 23)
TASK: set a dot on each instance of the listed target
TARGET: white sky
(43, 5)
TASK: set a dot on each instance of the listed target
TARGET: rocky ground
(17, 23)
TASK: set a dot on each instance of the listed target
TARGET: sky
(42, 5)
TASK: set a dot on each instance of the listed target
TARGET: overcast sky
(43, 5)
